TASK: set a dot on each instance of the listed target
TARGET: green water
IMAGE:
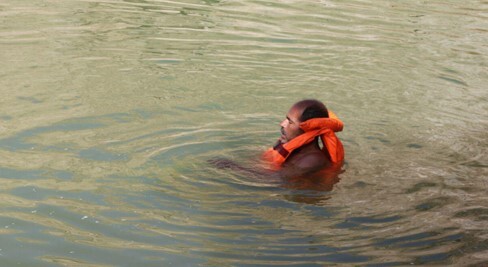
(110, 111)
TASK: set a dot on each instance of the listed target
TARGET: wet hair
(312, 108)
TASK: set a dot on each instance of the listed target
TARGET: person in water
(298, 151)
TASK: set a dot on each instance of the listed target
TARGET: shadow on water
(314, 188)
(322, 180)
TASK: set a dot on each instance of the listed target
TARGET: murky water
(110, 111)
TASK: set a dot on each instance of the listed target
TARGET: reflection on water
(322, 180)
(110, 111)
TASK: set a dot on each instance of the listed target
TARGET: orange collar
(323, 127)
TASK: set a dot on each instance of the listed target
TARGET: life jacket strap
(280, 149)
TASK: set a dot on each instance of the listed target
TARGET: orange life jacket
(323, 127)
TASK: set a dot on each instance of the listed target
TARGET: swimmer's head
(300, 112)
(312, 109)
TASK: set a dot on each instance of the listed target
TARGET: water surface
(110, 111)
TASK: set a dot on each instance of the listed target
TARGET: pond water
(110, 111)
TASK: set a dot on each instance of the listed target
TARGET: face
(290, 127)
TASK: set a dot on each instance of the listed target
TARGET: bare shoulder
(310, 161)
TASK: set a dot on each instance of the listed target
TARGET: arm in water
(288, 177)
(303, 167)
(223, 163)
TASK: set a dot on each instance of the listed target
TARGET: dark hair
(312, 109)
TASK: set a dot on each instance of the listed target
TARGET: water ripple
(112, 109)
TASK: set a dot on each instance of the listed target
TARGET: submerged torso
(308, 158)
